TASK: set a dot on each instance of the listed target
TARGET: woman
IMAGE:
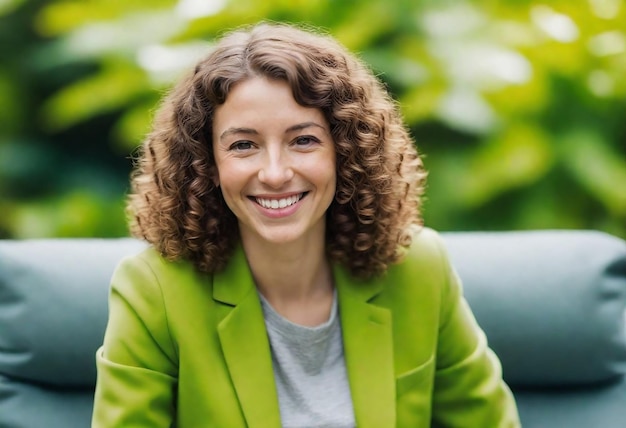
(288, 281)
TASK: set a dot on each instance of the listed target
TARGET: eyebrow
(304, 125)
(231, 131)
(251, 131)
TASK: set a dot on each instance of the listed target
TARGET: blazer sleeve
(137, 369)
(469, 390)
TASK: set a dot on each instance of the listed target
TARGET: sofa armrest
(551, 302)
(53, 307)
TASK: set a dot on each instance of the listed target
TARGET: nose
(276, 169)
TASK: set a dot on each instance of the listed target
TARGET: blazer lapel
(368, 348)
(245, 344)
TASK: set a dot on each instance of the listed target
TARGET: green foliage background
(518, 106)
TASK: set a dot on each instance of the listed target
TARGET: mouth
(279, 203)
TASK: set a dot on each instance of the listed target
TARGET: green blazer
(189, 349)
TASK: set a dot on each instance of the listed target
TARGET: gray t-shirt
(310, 371)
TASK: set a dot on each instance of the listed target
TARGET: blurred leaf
(106, 91)
(515, 101)
(463, 108)
(518, 158)
(544, 210)
(597, 167)
(167, 63)
(421, 102)
(126, 34)
(61, 17)
(73, 215)
(131, 129)
(8, 6)
(359, 29)
(10, 107)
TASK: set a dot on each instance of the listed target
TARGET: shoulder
(166, 295)
(423, 281)
(426, 255)
(427, 242)
(150, 262)
(151, 276)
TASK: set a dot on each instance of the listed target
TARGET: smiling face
(275, 161)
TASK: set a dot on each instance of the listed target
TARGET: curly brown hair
(175, 205)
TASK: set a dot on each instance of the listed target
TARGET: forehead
(260, 102)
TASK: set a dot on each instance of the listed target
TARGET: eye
(241, 146)
(305, 141)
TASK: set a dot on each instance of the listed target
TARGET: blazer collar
(235, 282)
(367, 341)
(245, 344)
(368, 350)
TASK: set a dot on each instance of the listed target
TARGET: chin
(283, 234)
(280, 238)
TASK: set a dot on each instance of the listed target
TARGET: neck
(295, 278)
(293, 270)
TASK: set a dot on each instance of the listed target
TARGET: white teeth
(279, 203)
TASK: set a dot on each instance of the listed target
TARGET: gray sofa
(552, 304)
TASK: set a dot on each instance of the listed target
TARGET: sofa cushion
(53, 308)
(25, 405)
(551, 302)
(593, 406)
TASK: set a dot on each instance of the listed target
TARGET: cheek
(232, 176)
(331, 166)
(327, 180)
